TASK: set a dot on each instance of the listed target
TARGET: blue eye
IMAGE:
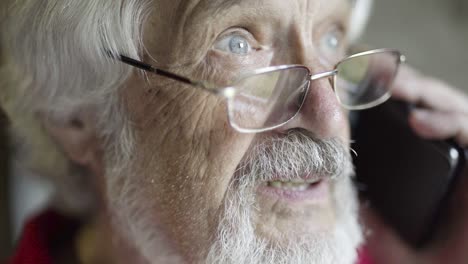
(331, 42)
(332, 45)
(239, 45)
(235, 44)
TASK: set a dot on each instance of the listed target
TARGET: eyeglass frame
(229, 91)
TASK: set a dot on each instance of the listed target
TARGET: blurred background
(433, 34)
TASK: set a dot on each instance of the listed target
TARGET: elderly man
(175, 133)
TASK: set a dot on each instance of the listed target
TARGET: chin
(245, 235)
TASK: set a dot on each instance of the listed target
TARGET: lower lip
(316, 192)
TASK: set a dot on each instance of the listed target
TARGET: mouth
(294, 185)
(297, 190)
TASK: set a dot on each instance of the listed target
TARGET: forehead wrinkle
(187, 10)
(220, 4)
(195, 8)
(258, 11)
(222, 8)
(197, 22)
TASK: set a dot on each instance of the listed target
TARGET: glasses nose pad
(302, 95)
(330, 75)
(296, 99)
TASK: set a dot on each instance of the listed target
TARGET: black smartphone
(407, 180)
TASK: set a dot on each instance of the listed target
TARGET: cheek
(186, 154)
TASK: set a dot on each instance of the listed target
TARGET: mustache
(296, 155)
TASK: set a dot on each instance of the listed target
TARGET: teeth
(301, 181)
(302, 187)
(290, 185)
(298, 181)
(276, 184)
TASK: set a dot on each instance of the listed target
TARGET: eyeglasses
(270, 97)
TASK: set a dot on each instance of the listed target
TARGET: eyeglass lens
(363, 80)
(270, 99)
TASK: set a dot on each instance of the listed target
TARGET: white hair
(359, 18)
(56, 63)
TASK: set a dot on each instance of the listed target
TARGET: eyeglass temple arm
(149, 68)
(146, 67)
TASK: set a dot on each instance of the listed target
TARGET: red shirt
(48, 231)
(42, 236)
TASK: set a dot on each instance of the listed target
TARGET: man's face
(198, 188)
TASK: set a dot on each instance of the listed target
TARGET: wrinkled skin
(186, 151)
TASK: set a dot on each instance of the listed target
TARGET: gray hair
(57, 64)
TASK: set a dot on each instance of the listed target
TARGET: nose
(321, 113)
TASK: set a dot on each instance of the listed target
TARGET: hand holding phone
(408, 180)
(443, 114)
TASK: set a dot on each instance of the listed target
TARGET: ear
(77, 137)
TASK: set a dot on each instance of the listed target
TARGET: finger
(413, 87)
(440, 125)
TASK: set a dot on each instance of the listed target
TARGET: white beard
(235, 241)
